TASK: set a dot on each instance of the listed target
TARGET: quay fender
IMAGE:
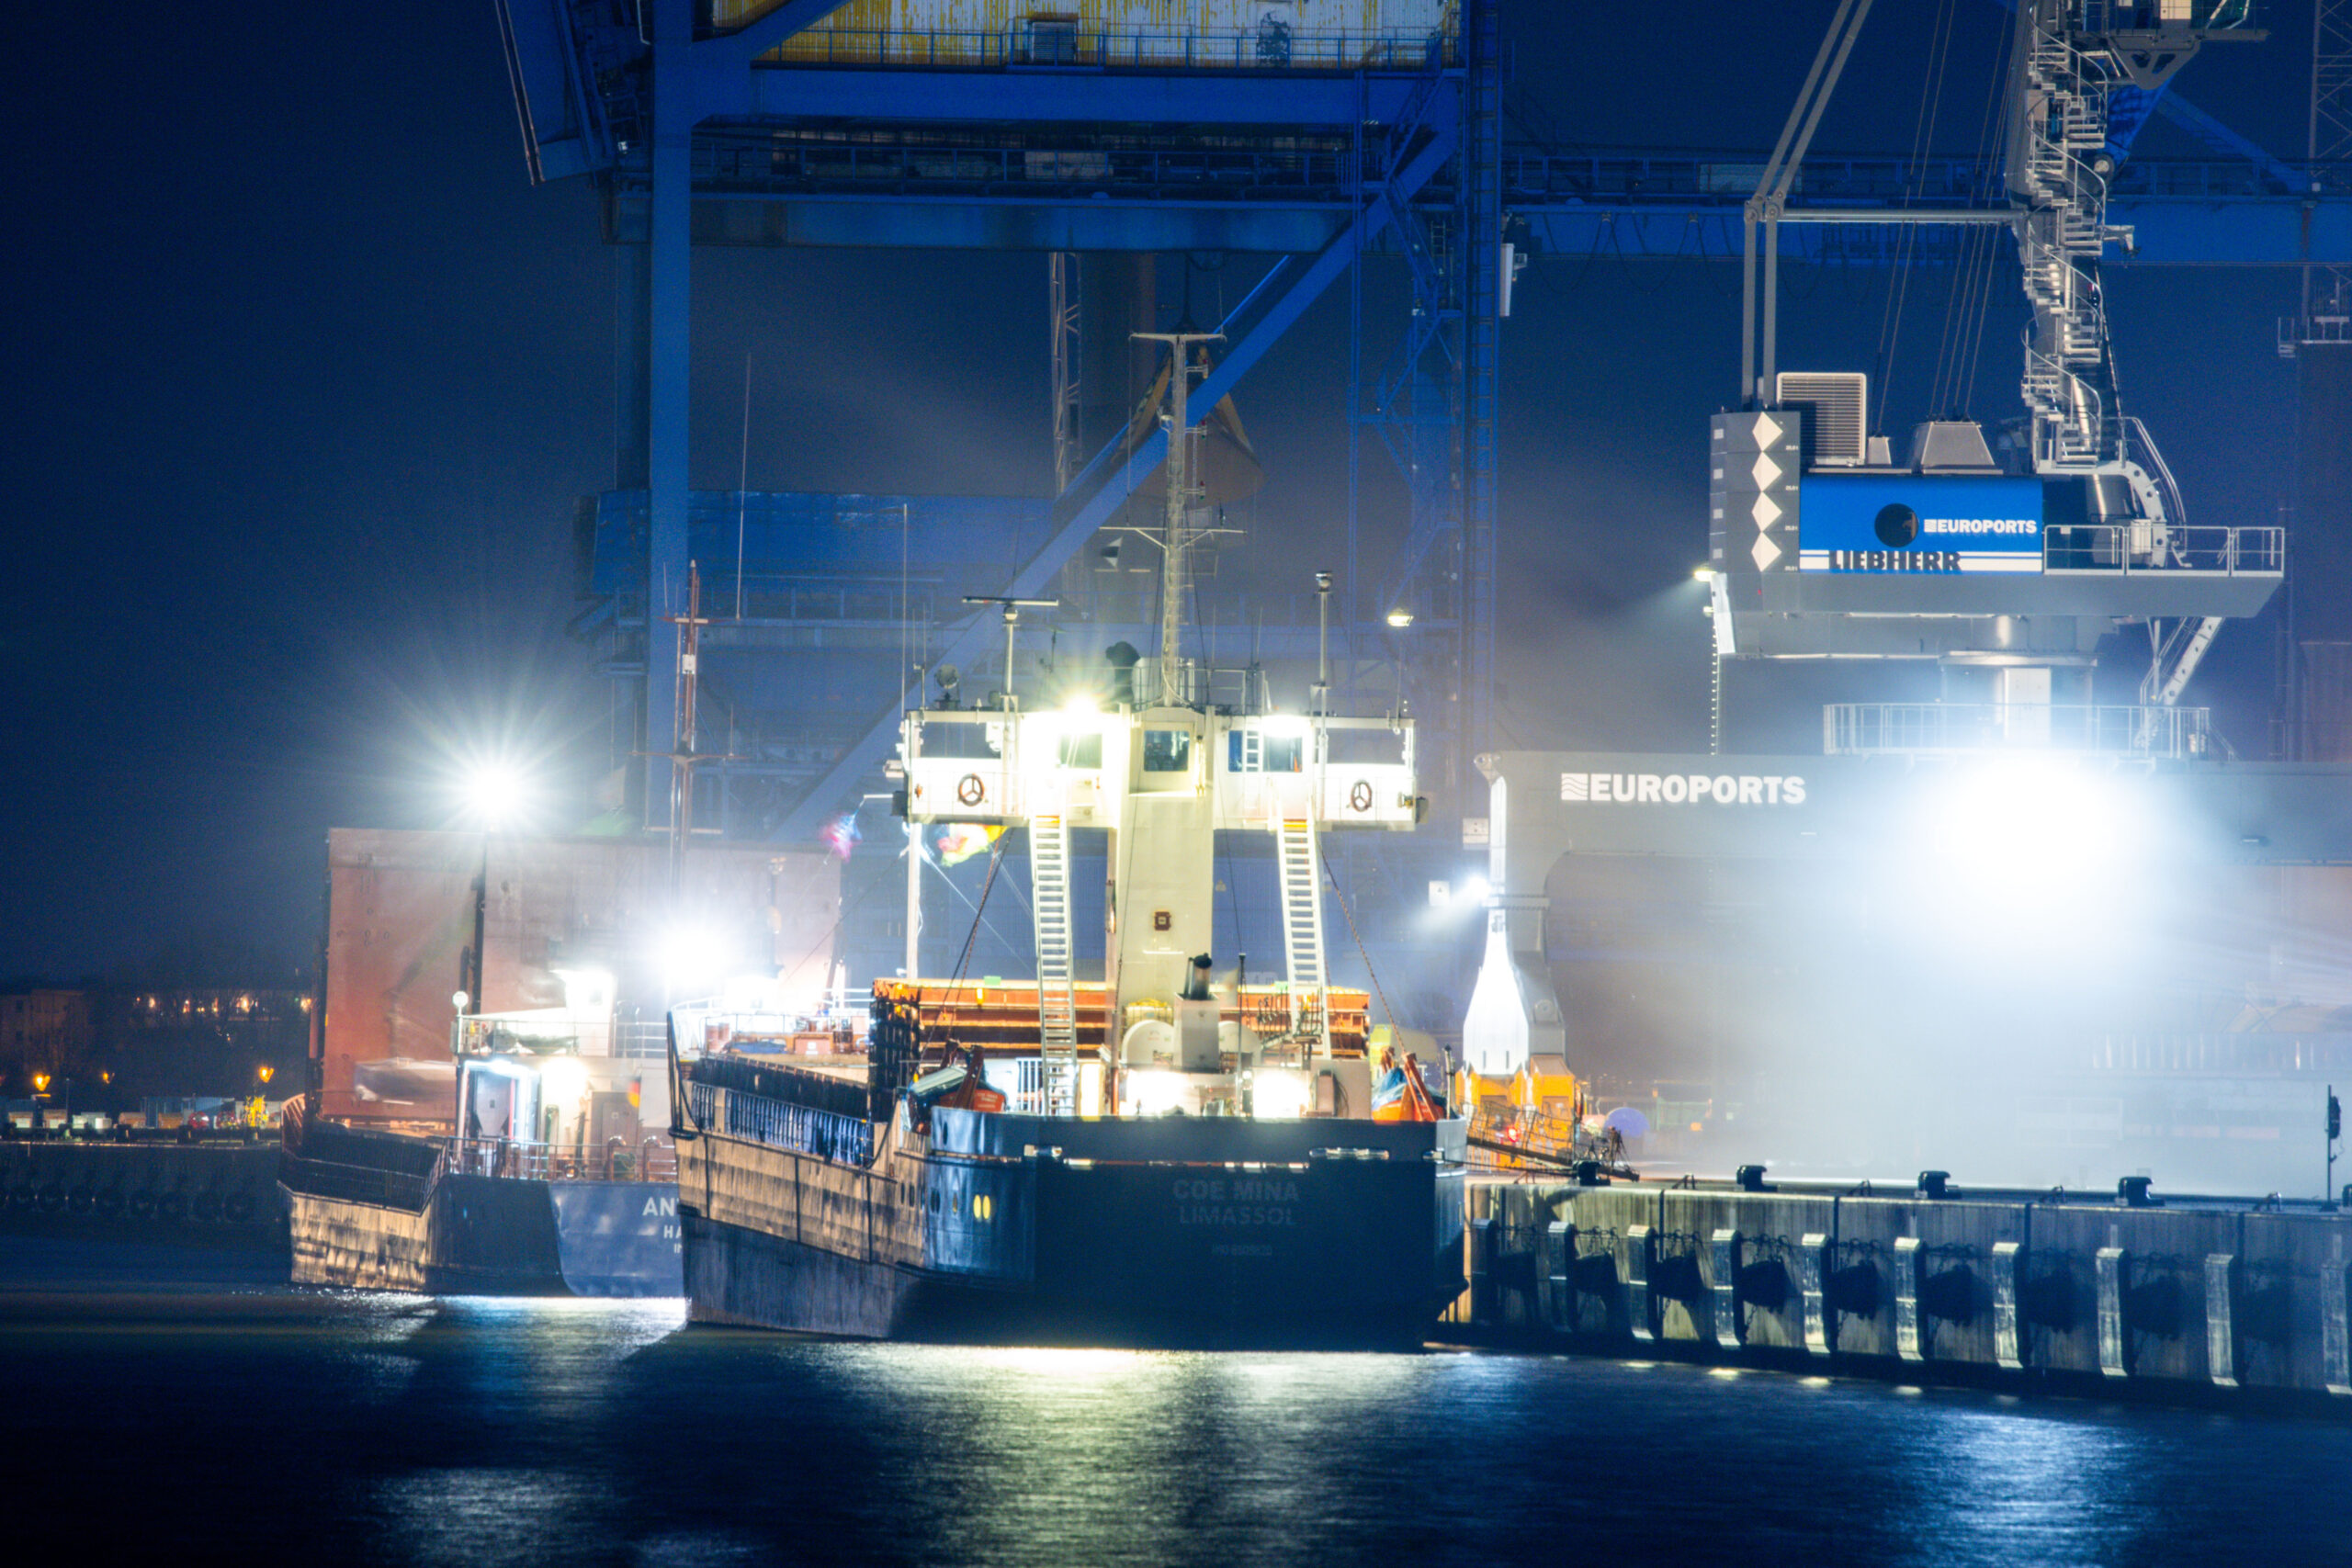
(2291, 1306)
(1580, 1291)
(2146, 1271)
(1748, 1249)
(1612, 1262)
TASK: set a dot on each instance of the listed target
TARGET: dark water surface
(192, 1411)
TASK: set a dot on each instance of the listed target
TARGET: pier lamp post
(40, 1112)
(495, 797)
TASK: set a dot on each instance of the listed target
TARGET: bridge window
(1276, 753)
(1167, 751)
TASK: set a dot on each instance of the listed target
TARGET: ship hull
(388, 1224)
(1005, 1230)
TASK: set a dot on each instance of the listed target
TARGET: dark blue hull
(373, 1227)
(1005, 1230)
(498, 1235)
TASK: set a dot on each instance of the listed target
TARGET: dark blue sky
(305, 378)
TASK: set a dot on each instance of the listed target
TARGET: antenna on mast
(1180, 491)
(1013, 608)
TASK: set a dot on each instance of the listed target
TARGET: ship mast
(1180, 489)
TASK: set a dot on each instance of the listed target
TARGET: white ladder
(1057, 992)
(1302, 922)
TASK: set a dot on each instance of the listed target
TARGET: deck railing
(736, 1113)
(1862, 729)
(652, 1159)
(1069, 44)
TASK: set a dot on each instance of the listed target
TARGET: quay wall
(2207, 1296)
(209, 1194)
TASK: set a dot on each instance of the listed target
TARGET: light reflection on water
(487, 1432)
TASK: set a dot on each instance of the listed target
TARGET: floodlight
(1155, 1093)
(1280, 1097)
(1400, 619)
(563, 1080)
(495, 794)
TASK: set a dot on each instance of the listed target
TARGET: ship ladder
(1057, 992)
(1303, 924)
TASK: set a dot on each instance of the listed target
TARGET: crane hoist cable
(1889, 334)
(1957, 356)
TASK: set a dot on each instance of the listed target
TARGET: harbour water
(188, 1406)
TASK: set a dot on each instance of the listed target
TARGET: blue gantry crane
(1307, 133)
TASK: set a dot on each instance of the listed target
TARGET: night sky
(305, 378)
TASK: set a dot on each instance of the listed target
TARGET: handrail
(2109, 546)
(779, 1124)
(653, 1158)
(1943, 729)
(1073, 44)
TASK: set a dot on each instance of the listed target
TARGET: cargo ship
(546, 1187)
(1141, 1158)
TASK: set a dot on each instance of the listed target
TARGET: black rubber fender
(110, 1202)
(238, 1208)
(53, 1199)
(82, 1199)
(142, 1204)
(171, 1207)
(204, 1207)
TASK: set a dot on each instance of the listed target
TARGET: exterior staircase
(1056, 990)
(1302, 895)
(2069, 385)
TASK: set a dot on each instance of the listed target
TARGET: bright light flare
(2028, 854)
(691, 956)
(1280, 1096)
(562, 1081)
(1153, 1093)
(495, 794)
(587, 993)
(2024, 826)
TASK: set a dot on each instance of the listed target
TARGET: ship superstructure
(1140, 1155)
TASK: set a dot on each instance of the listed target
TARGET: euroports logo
(1684, 789)
(2013, 526)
